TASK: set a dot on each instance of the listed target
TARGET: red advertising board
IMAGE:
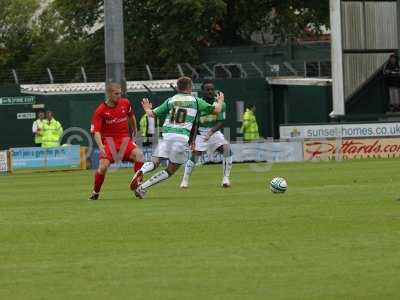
(351, 149)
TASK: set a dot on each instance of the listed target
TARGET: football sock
(147, 167)
(137, 166)
(227, 165)
(157, 178)
(98, 182)
(189, 166)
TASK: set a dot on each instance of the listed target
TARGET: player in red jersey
(110, 127)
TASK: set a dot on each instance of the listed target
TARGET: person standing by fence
(51, 131)
(148, 129)
(250, 126)
(37, 128)
(391, 71)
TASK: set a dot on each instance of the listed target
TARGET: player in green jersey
(181, 113)
(209, 138)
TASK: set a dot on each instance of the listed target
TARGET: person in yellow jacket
(51, 131)
(250, 126)
(37, 128)
(148, 129)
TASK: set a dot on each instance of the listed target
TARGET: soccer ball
(278, 185)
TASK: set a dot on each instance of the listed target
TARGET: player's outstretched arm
(148, 107)
(220, 103)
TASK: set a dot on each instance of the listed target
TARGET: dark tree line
(68, 34)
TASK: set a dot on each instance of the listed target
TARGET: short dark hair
(184, 83)
(250, 106)
(205, 82)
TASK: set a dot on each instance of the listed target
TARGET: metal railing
(306, 69)
(209, 70)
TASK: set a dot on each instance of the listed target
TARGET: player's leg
(105, 159)
(226, 152)
(135, 155)
(200, 145)
(147, 167)
(156, 178)
(189, 166)
(161, 176)
(151, 165)
(217, 142)
(177, 153)
(99, 176)
(137, 165)
(160, 152)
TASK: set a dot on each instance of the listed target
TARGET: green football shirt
(181, 113)
(208, 121)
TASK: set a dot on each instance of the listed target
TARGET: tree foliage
(16, 30)
(157, 32)
(293, 18)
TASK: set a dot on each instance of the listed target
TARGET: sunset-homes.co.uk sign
(351, 149)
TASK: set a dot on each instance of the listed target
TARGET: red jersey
(112, 121)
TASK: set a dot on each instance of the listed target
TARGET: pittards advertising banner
(351, 149)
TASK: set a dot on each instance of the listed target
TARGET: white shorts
(175, 151)
(216, 140)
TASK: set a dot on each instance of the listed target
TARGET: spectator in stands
(37, 128)
(148, 129)
(250, 126)
(391, 71)
(51, 131)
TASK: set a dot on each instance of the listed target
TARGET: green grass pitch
(335, 234)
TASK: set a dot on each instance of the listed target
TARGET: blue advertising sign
(42, 158)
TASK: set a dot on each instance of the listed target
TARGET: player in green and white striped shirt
(181, 113)
(210, 139)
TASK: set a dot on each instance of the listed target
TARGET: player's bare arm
(99, 142)
(148, 107)
(133, 124)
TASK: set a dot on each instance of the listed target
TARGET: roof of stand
(299, 81)
(95, 87)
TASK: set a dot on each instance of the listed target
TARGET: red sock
(137, 165)
(98, 182)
